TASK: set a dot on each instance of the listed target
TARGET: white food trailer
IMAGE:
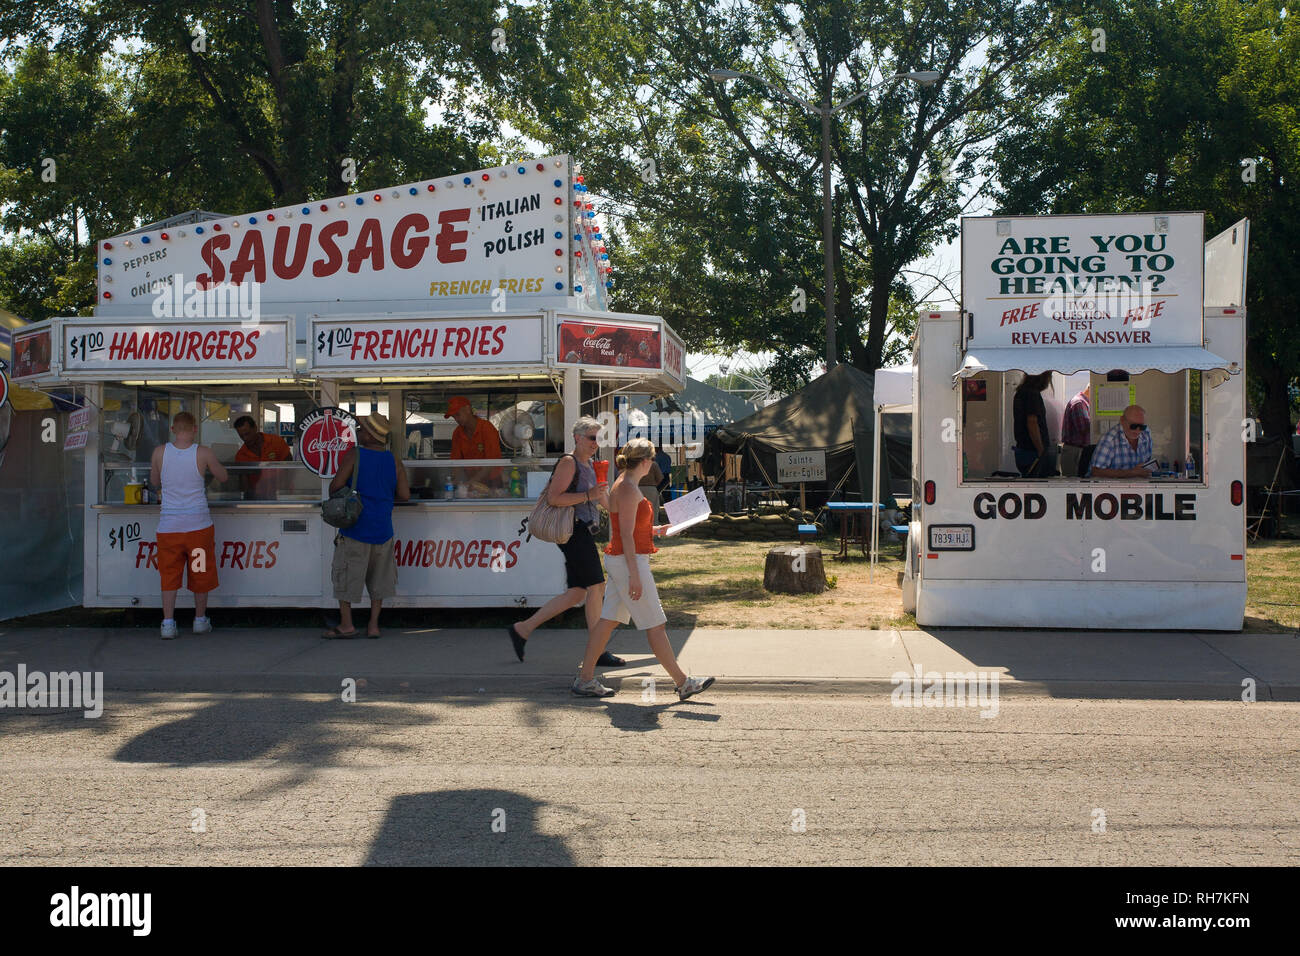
(1155, 319)
(488, 284)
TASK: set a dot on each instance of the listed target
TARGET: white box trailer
(1070, 295)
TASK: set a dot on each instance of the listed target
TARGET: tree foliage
(1192, 104)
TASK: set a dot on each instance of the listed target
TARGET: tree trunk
(794, 570)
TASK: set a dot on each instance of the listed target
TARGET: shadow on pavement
(465, 828)
(299, 734)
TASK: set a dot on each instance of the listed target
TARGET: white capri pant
(646, 612)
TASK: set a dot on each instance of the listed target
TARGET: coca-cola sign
(627, 346)
(326, 434)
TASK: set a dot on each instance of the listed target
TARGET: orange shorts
(192, 550)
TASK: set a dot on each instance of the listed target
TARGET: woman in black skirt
(574, 483)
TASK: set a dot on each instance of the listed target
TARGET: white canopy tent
(893, 395)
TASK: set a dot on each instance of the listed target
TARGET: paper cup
(602, 471)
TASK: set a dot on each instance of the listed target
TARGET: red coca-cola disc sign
(325, 435)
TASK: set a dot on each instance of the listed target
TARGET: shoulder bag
(342, 509)
(548, 522)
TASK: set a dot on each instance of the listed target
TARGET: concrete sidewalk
(1126, 664)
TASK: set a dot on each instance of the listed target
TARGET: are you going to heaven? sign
(1108, 281)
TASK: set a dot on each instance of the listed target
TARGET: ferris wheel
(744, 374)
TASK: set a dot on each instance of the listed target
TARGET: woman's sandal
(334, 634)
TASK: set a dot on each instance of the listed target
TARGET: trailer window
(1172, 403)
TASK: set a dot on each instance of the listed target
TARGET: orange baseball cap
(455, 404)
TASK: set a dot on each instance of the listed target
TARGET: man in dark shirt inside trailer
(1035, 455)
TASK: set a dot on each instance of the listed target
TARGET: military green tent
(834, 414)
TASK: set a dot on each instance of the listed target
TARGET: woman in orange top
(630, 589)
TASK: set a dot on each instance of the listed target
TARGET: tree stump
(792, 569)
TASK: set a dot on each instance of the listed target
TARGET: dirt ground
(720, 584)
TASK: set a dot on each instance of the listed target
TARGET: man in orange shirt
(259, 446)
(474, 437)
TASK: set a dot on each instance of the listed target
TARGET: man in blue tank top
(363, 553)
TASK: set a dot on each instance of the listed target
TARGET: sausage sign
(445, 241)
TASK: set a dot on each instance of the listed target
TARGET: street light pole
(826, 110)
(828, 235)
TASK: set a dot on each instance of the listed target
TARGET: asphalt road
(720, 779)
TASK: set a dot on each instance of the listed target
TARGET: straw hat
(377, 425)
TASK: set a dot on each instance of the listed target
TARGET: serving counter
(449, 551)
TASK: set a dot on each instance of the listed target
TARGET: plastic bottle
(1191, 466)
(449, 489)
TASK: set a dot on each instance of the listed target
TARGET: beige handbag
(547, 522)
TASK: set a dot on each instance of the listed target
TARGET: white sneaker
(202, 625)
(590, 688)
(168, 630)
(693, 686)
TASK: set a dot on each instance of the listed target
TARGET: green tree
(152, 108)
(1188, 104)
(725, 238)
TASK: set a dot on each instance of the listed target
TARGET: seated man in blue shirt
(1125, 450)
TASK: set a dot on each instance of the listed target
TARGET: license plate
(952, 537)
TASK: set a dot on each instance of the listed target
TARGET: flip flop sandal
(334, 634)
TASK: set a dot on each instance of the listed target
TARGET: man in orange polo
(474, 437)
(257, 447)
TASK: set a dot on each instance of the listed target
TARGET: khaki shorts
(357, 563)
(645, 613)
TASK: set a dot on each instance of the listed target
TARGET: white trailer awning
(1159, 358)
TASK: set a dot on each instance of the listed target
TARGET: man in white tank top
(186, 543)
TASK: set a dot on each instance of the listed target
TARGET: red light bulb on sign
(163, 235)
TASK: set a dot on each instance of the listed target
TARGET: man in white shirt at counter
(186, 543)
(1125, 450)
